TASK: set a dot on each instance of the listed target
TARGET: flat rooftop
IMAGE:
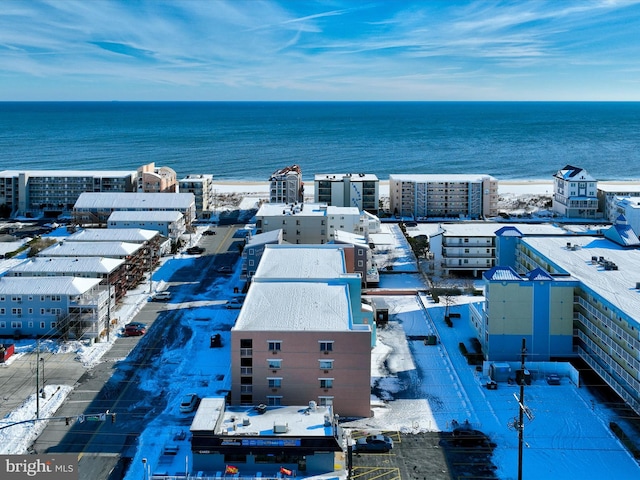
(295, 421)
(426, 178)
(301, 261)
(616, 286)
(296, 306)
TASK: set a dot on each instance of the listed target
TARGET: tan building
(443, 196)
(150, 179)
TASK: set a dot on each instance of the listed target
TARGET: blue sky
(319, 50)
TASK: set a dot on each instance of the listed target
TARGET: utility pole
(38, 379)
(521, 417)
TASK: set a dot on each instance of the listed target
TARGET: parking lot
(430, 456)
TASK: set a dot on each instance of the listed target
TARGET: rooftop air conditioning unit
(637, 285)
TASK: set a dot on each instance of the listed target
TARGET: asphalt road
(112, 385)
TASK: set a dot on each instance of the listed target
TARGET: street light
(44, 395)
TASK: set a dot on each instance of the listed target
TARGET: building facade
(67, 307)
(54, 192)
(443, 196)
(259, 441)
(201, 186)
(348, 190)
(94, 209)
(169, 224)
(575, 193)
(152, 179)
(286, 185)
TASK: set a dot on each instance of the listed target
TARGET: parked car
(553, 379)
(468, 437)
(374, 443)
(209, 232)
(234, 303)
(162, 296)
(134, 331)
(195, 250)
(136, 325)
(188, 403)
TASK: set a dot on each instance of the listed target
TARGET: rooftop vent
(280, 428)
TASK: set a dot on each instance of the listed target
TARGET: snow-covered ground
(417, 388)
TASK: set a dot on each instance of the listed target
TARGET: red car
(134, 331)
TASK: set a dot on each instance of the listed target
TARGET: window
(42, 325)
(3, 311)
(56, 298)
(274, 382)
(325, 401)
(326, 383)
(54, 325)
(275, 345)
(16, 324)
(326, 364)
(31, 311)
(42, 311)
(16, 298)
(326, 346)
(30, 324)
(274, 401)
(274, 364)
(16, 312)
(3, 324)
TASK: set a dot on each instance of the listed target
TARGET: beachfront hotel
(589, 281)
(443, 196)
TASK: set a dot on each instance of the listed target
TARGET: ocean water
(250, 140)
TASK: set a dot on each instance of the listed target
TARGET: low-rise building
(360, 190)
(253, 250)
(610, 194)
(169, 224)
(260, 441)
(68, 307)
(94, 209)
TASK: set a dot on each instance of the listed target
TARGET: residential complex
(301, 301)
(443, 196)
(94, 209)
(286, 185)
(575, 193)
(55, 192)
(152, 179)
(202, 188)
(348, 190)
(309, 223)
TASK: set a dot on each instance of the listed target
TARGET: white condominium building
(53, 192)
(443, 196)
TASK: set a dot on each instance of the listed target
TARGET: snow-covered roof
(68, 265)
(502, 274)
(239, 421)
(265, 237)
(350, 237)
(134, 201)
(132, 235)
(570, 172)
(616, 286)
(450, 178)
(619, 188)
(142, 216)
(295, 306)
(69, 173)
(338, 177)
(301, 209)
(46, 285)
(489, 229)
(301, 261)
(91, 249)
